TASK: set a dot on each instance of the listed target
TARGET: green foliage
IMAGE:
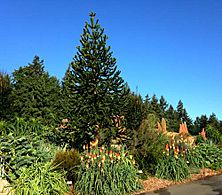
(20, 151)
(147, 145)
(5, 99)
(172, 119)
(40, 178)
(199, 139)
(106, 172)
(174, 165)
(206, 155)
(135, 111)
(20, 127)
(67, 135)
(183, 116)
(213, 134)
(92, 85)
(35, 94)
(68, 161)
(173, 168)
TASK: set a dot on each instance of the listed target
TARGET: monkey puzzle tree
(92, 85)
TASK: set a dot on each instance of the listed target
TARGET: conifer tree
(5, 99)
(183, 116)
(200, 123)
(155, 107)
(35, 94)
(163, 106)
(135, 111)
(93, 85)
(172, 119)
(146, 106)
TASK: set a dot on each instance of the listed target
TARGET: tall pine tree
(5, 99)
(35, 94)
(93, 85)
(183, 116)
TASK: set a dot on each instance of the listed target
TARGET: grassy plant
(174, 165)
(21, 127)
(40, 179)
(105, 171)
(68, 161)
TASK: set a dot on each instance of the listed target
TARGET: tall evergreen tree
(135, 111)
(146, 106)
(5, 99)
(155, 107)
(183, 116)
(213, 121)
(93, 84)
(180, 111)
(172, 119)
(163, 106)
(35, 93)
(200, 123)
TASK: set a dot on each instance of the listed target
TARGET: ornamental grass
(106, 171)
(174, 165)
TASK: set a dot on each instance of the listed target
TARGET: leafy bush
(60, 135)
(214, 135)
(20, 127)
(69, 162)
(106, 172)
(173, 166)
(147, 146)
(38, 179)
(199, 139)
(206, 155)
(17, 152)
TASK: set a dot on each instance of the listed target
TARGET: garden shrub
(106, 172)
(214, 135)
(174, 165)
(68, 161)
(147, 146)
(206, 155)
(20, 151)
(40, 178)
(21, 127)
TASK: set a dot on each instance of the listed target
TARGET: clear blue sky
(171, 48)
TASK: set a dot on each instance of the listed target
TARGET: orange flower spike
(101, 150)
(167, 147)
(103, 159)
(95, 142)
(99, 164)
(175, 151)
(111, 160)
(178, 149)
(103, 147)
(107, 152)
(118, 155)
(110, 153)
